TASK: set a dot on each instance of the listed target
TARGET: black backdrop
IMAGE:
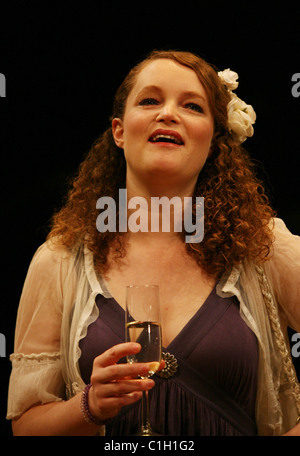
(62, 64)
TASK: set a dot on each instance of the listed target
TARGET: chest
(183, 286)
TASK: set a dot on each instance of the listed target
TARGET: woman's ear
(118, 130)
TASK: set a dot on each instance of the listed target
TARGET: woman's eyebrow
(149, 88)
(186, 93)
(190, 93)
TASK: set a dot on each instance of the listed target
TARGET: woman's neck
(155, 214)
(161, 212)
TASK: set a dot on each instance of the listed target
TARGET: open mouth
(166, 137)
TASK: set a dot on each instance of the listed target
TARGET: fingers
(107, 398)
(107, 370)
(117, 385)
(119, 388)
(116, 395)
(162, 365)
(115, 353)
(107, 407)
(120, 371)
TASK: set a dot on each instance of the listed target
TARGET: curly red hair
(237, 211)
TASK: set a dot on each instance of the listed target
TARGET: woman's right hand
(116, 385)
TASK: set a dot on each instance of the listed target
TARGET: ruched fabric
(58, 305)
(213, 391)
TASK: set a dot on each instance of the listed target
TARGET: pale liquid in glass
(148, 334)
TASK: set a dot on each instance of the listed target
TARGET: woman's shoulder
(285, 242)
(52, 255)
(280, 226)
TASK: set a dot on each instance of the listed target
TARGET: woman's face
(167, 127)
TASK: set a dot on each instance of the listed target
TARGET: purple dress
(213, 391)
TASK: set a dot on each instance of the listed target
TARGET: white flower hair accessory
(241, 116)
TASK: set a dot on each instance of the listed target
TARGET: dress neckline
(208, 320)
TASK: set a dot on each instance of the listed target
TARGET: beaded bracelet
(85, 410)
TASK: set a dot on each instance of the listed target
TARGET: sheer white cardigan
(58, 304)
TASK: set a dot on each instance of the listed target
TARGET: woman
(176, 131)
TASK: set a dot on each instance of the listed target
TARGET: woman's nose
(167, 113)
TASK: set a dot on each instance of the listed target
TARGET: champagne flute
(143, 326)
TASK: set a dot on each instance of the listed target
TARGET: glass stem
(146, 428)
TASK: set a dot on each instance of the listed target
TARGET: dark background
(63, 63)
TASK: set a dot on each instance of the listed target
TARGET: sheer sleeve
(36, 362)
(284, 272)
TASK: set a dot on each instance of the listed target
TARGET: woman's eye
(194, 107)
(148, 102)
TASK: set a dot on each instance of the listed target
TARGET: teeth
(156, 138)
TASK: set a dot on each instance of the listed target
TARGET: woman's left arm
(283, 271)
